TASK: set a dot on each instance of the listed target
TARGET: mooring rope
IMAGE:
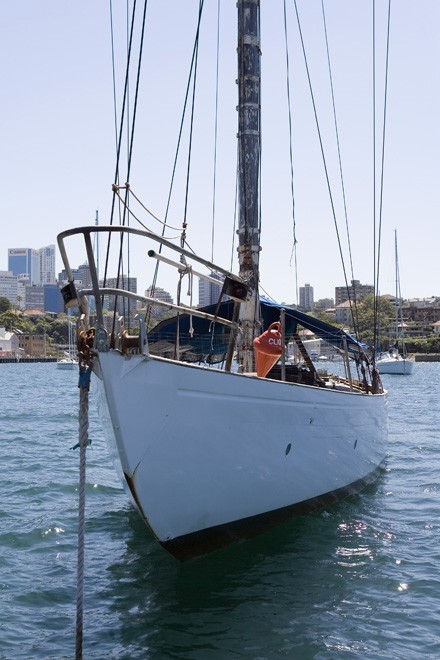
(84, 385)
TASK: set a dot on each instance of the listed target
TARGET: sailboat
(68, 360)
(394, 361)
(216, 435)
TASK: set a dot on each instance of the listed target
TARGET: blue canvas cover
(208, 341)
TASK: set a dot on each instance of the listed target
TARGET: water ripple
(360, 579)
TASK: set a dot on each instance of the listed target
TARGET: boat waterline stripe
(207, 540)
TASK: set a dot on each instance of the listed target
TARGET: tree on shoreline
(5, 305)
(13, 320)
(366, 316)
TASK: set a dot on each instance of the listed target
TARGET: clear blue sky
(58, 139)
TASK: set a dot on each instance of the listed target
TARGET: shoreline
(418, 357)
(4, 360)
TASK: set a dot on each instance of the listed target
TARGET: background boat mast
(249, 146)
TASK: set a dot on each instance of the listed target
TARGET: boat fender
(268, 349)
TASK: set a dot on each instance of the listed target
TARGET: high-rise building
(209, 292)
(356, 291)
(9, 287)
(53, 300)
(34, 297)
(81, 276)
(124, 306)
(47, 264)
(306, 297)
(160, 294)
(82, 280)
(25, 261)
(84, 275)
(21, 293)
(323, 304)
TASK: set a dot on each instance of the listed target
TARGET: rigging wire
(376, 329)
(131, 133)
(179, 140)
(183, 115)
(130, 141)
(294, 252)
(112, 44)
(119, 132)
(376, 292)
(215, 132)
(188, 171)
(376, 234)
(146, 209)
(124, 114)
(322, 149)
(127, 301)
(115, 113)
(353, 308)
(191, 124)
(124, 302)
(234, 226)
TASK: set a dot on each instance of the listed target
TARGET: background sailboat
(395, 360)
(69, 360)
(211, 447)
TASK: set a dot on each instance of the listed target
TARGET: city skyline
(206, 290)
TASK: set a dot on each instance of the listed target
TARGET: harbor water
(358, 580)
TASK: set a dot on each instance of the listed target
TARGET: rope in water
(83, 384)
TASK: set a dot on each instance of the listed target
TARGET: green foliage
(5, 305)
(12, 320)
(56, 329)
(42, 326)
(423, 344)
(59, 329)
(366, 313)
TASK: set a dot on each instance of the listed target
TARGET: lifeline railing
(110, 229)
(72, 298)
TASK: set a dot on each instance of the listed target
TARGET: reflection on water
(248, 594)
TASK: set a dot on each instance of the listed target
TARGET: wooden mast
(249, 145)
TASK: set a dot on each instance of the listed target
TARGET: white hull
(392, 365)
(211, 457)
